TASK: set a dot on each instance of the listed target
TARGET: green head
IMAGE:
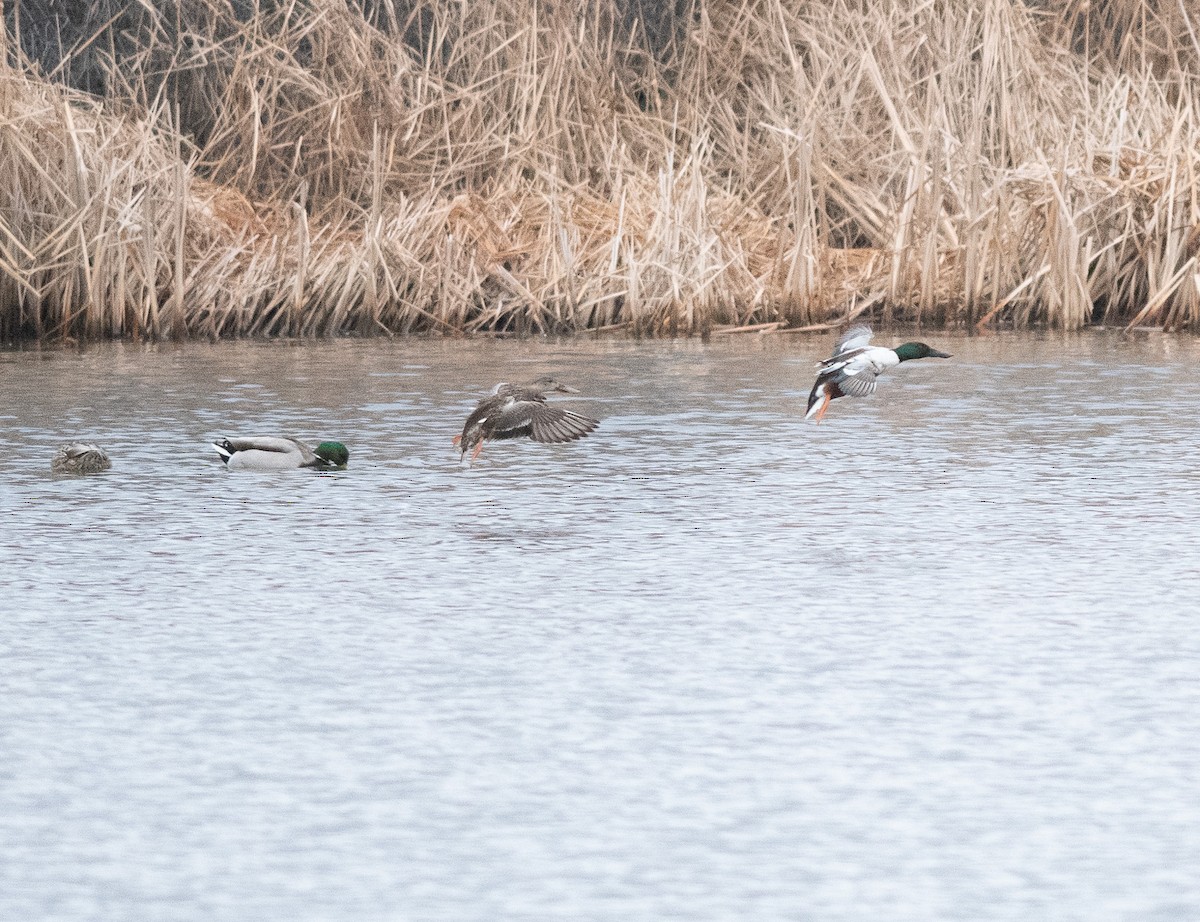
(910, 351)
(334, 454)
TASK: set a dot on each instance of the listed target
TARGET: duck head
(910, 351)
(546, 383)
(333, 454)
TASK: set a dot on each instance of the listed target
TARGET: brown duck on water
(80, 458)
(515, 410)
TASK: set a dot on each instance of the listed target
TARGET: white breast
(875, 360)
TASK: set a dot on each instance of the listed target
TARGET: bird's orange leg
(478, 449)
(456, 440)
(824, 406)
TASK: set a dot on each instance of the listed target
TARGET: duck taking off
(855, 365)
(515, 410)
(80, 458)
(270, 453)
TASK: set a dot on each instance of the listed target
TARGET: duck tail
(817, 399)
(224, 448)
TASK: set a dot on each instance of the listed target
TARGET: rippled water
(934, 659)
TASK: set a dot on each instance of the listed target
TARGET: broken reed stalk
(332, 167)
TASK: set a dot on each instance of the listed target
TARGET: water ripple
(933, 659)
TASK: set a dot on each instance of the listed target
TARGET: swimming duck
(269, 453)
(853, 368)
(80, 458)
(515, 410)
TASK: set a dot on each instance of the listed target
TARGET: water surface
(933, 659)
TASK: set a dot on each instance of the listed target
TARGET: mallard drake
(855, 365)
(271, 453)
(515, 410)
(80, 458)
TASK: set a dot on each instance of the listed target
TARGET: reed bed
(216, 168)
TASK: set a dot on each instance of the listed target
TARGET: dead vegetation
(254, 167)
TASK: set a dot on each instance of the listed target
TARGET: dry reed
(230, 167)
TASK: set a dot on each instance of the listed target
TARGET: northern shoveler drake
(515, 410)
(80, 458)
(855, 366)
(271, 453)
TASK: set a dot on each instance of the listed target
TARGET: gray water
(935, 658)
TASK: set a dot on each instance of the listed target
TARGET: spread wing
(520, 410)
(851, 371)
(857, 337)
(512, 418)
(550, 424)
(859, 385)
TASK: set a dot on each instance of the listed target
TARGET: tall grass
(230, 167)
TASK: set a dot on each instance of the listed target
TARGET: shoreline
(819, 332)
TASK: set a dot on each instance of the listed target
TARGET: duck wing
(270, 445)
(857, 337)
(78, 450)
(858, 385)
(552, 425)
(840, 360)
(495, 417)
(509, 417)
(265, 443)
(850, 374)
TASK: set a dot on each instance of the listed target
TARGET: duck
(855, 366)
(276, 453)
(80, 458)
(511, 411)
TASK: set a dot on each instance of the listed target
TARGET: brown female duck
(515, 410)
(80, 458)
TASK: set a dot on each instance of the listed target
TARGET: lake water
(936, 658)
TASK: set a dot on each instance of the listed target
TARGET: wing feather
(267, 443)
(857, 337)
(515, 432)
(859, 385)
(550, 424)
(512, 415)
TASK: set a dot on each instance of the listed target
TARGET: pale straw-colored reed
(323, 167)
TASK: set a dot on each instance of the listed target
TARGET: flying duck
(855, 366)
(515, 410)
